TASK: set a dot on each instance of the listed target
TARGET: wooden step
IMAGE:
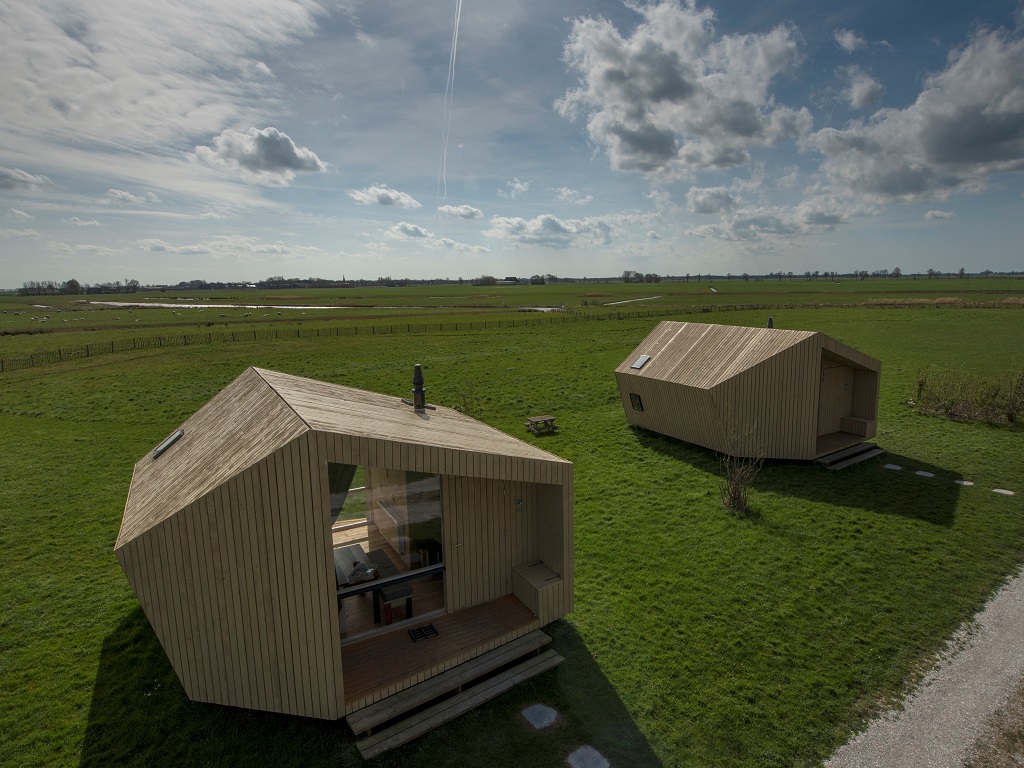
(844, 453)
(365, 719)
(857, 459)
(418, 724)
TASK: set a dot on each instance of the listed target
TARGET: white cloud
(123, 196)
(19, 233)
(515, 188)
(461, 211)
(139, 74)
(673, 97)
(406, 231)
(862, 90)
(15, 179)
(264, 156)
(567, 195)
(822, 211)
(234, 247)
(709, 200)
(260, 69)
(550, 231)
(83, 222)
(849, 40)
(966, 125)
(933, 215)
(381, 194)
(15, 213)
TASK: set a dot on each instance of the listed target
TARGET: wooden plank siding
(227, 541)
(749, 391)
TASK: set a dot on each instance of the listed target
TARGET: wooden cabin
(758, 392)
(308, 548)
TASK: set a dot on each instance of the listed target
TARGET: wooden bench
(541, 424)
(448, 709)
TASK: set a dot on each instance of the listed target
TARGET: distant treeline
(74, 287)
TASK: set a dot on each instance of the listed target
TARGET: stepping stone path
(540, 716)
(587, 757)
(922, 473)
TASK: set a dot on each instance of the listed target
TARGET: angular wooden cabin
(766, 392)
(241, 537)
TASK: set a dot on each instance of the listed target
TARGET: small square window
(635, 401)
(640, 362)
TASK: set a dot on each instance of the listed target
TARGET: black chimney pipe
(419, 392)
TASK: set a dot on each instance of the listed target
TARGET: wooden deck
(836, 441)
(382, 665)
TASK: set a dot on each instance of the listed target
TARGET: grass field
(698, 639)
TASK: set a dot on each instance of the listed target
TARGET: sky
(244, 139)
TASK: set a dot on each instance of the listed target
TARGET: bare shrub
(739, 471)
(738, 474)
(962, 396)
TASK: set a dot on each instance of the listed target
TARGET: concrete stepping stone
(1003, 491)
(588, 757)
(893, 466)
(540, 716)
(963, 482)
(922, 473)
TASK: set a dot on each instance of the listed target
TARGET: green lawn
(698, 638)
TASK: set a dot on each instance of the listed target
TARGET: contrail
(449, 93)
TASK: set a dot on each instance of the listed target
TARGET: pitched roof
(262, 411)
(704, 355)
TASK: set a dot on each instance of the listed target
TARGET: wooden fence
(554, 318)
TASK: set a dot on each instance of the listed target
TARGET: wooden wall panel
(487, 535)
(835, 398)
(865, 394)
(266, 588)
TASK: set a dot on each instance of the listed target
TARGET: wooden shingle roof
(703, 355)
(262, 411)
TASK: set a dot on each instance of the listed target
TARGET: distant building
(777, 394)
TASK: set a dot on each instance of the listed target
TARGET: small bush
(961, 396)
(738, 474)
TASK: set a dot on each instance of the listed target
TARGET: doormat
(422, 633)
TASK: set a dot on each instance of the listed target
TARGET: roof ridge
(260, 371)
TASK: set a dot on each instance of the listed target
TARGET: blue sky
(242, 139)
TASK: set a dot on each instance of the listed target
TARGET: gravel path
(945, 716)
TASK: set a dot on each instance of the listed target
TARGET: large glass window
(388, 553)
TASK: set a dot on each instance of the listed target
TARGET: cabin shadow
(930, 497)
(139, 715)
(595, 705)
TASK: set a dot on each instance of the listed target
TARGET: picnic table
(541, 424)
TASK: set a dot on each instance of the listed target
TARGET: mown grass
(698, 638)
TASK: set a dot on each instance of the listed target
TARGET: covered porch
(381, 665)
